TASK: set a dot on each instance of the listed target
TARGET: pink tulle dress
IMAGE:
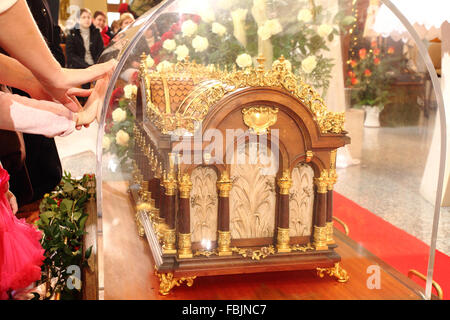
(21, 254)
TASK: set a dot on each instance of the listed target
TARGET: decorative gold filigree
(206, 253)
(322, 182)
(259, 118)
(309, 155)
(185, 186)
(302, 248)
(224, 242)
(337, 271)
(184, 245)
(330, 232)
(169, 241)
(212, 84)
(255, 254)
(285, 182)
(168, 282)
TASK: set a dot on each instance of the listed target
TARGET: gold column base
(283, 240)
(224, 242)
(184, 246)
(337, 271)
(169, 242)
(167, 282)
(320, 238)
(330, 232)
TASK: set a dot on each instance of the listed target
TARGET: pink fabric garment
(21, 253)
(27, 115)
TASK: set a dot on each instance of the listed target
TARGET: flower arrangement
(234, 33)
(371, 76)
(118, 138)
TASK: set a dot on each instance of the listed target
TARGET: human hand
(64, 88)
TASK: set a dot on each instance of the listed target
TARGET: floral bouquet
(234, 33)
(371, 76)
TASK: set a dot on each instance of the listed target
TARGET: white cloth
(6, 4)
(85, 34)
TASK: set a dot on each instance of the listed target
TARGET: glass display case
(282, 140)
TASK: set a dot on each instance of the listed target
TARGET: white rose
(169, 45)
(324, 30)
(188, 28)
(208, 15)
(270, 28)
(149, 62)
(309, 64)
(182, 52)
(305, 15)
(122, 138)
(244, 60)
(219, 29)
(119, 115)
(200, 44)
(106, 143)
(164, 66)
(129, 91)
(239, 14)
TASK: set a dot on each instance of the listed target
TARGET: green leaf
(46, 216)
(68, 187)
(348, 20)
(83, 222)
(66, 205)
(88, 252)
(77, 215)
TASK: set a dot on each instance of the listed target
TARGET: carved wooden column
(223, 222)
(332, 179)
(170, 185)
(284, 183)
(184, 223)
(320, 229)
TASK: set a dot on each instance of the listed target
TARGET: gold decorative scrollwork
(255, 254)
(168, 282)
(337, 271)
(259, 118)
(212, 84)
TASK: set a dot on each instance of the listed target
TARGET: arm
(25, 43)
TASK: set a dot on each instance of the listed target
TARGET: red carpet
(391, 244)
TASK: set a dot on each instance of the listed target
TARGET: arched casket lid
(179, 96)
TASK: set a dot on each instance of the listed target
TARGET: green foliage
(62, 222)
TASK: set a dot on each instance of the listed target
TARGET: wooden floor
(128, 269)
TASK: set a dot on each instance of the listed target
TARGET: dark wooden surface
(283, 221)
(223, 219)
(330, 206)
(129, 269)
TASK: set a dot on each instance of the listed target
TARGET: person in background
(84, 45)
(125, 20)
(100, 23)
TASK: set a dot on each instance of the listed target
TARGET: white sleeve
(6, 4)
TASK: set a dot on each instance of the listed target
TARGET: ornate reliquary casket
(234, 172)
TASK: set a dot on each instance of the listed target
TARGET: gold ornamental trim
(336, 271)
(320, 238)
(184, 245)
(168, 282)
(283, 240)
(302, 248)
(285, 182)
(255, 254)
(212, 84)
(169, 242)
(309, 156)
(224, 185)
(224, 241)
(330, 232)
(259, 118)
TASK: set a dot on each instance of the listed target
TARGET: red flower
(167, 35)
(367, 73)
(376, 51)
(109, 126)
(156, 60)
(352, 63)
(196, 18)
(362, 53)
(58, 202)
(134, 78)
(351, 74)
(376, 61)
(156, 47)
(354, 81)
(373, 44)
(117, 93)
(391, 50)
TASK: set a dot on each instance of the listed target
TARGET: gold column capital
(332, 179)
(185, 186)
(309, 155)
(322, 182)
(224, 185)
(285, 182)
